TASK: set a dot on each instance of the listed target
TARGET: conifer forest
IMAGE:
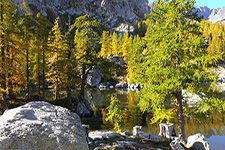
(172, 51)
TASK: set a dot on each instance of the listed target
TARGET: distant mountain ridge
(213, 15)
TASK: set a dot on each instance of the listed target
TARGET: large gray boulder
(41, 126)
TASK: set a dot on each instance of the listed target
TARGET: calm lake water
(211, 125)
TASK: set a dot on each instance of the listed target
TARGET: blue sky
(209, 3)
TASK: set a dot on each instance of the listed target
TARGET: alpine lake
(211, 125)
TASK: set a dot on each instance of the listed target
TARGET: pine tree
(175, 55)
(105, 44)
(71, 63)
(56, 46)
(120, 43)
(8, 21)
(114, 40)
(125, 46)
(135, 50)
(86, 41)
(26, 20)
(41, 32)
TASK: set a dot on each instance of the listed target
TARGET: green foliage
(10, 53)
(135, 49)
(175, 59)
(86, 41)
(125, 46)
(115, 114)
(115, 50)
(57, 57)
(106, 47)
(86, 38)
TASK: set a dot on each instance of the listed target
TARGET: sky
(208, 3)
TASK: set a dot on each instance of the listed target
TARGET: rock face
(219, 16)
(94, 78)
(39, 126)
(205, 12)
(109, 12)
(213, 15)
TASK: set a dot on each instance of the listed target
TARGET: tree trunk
(3, 75)
(82, 89)
(57, 90)
(27, 69)
(69, 95)
(43, 71)
(10, 89)
(181, 131)
(68, 73)
(39, 78)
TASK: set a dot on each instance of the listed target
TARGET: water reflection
(216, 142)
(211, 125)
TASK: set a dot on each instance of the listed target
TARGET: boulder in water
(198, 142)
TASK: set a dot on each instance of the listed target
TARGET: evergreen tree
(115, 114)
(71, 63)
(114, 40)
(41, 33)
(26, 33)
(135, 50)
(175, 59)
(8, 22)
(86, 41)
(56, 59)
(120, 43)
(105, 50)
(125, 46)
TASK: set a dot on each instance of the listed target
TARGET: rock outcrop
(109, 12)
(40, 125)
(213, 15)
(94, 78)
(219, 16)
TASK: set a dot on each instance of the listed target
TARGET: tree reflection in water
(209, 124)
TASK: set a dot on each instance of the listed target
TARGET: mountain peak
(109, 12)
(213, 15)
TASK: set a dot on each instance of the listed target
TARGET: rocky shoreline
(41, 125)
(102, 140)
(167, 139)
